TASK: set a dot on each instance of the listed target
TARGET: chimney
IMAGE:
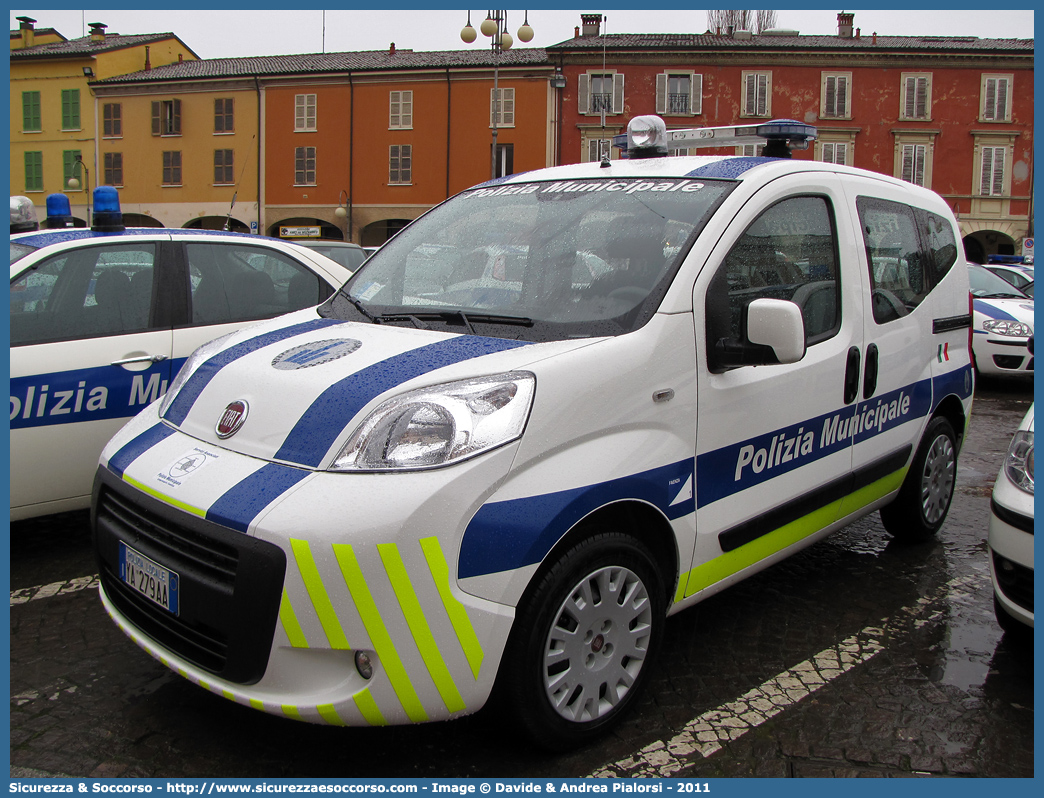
(181, 57)
(27, 30)
(576, 32)
(391, 50)
(845, 20)
(148, 63)
(97, 31)
(592, 24)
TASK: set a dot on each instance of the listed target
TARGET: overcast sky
(218, 34)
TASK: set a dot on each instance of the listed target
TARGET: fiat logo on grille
(232, 419)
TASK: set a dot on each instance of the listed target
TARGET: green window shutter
(70, 109)
(34, 171)
(31, 111)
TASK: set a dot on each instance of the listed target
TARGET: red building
(954, 114)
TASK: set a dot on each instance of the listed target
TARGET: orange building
(375, 143)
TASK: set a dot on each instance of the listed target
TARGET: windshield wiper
(467, 317)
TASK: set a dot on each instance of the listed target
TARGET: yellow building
(189, 146)
(56, 121)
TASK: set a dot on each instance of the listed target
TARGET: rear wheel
(924, 499)
(584, 640)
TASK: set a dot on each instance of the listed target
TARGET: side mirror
(777, 324)
(773, 332)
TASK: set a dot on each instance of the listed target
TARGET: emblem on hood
(314, 354)
(232, 419)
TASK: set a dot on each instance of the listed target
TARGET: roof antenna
(606, 153)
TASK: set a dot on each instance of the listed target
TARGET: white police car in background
(102, 319)
(454, 477)
(1003, 324)
(1011, 532)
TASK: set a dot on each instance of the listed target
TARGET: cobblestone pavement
(857, 657)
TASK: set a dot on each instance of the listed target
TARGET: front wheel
(924, 499)
(584, 640)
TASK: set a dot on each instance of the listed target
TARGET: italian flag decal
(944, 353)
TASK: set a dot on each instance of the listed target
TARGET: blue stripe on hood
(316, 430)
(193, 387)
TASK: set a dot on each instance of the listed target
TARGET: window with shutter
(70, 109)
(113, 163)
(400, 110)
(996, 99)
(914, 156)
(916, 97)
(400, 163)
(502, 107)
(835, 96)
(31, 120)
(304, 112)
(756, 94)
(304, 166)
(991, 180)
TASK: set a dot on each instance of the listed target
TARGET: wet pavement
(856, 657)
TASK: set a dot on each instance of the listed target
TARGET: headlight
(1018, 465)
(1005, 327)
(195, 360)
(440, 425)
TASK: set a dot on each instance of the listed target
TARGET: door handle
(139, 359)
(852, 375)
(870, 373)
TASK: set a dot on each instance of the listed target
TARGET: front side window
(84, 293)
(224, 115)
(757, 94)
(238, 282)
(166, 118)
(502, 107)
(304, 112)
(304, 166)
(31, 119)
(172, 168)
(34, 171)
(112, 120)
(536, 261)
(70, 109)
(788, 252)
(400, 110)
(400, 163)
(113, 169)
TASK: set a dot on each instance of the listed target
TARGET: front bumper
(1011, 559)
(273, 613)
(1002, 357)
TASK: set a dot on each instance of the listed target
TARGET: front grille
(229, 583)
(1015, 581)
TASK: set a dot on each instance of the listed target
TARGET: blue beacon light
(108, 218)
(59, 212)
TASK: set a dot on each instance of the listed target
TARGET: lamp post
(344, 211)
(74, 184)
(494, 26)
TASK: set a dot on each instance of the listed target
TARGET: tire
(584, 640)
(924, 499)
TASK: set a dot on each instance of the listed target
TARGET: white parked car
(1011, 532)
(101, 321)
(1019, 276)
(1003, 324)
(381, 510)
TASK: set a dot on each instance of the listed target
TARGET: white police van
(551, 412)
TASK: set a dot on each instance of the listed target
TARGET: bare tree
(737, 19)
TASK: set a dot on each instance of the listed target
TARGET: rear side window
(84, 293)
(789, 252)
(908, 251)
(232, 283)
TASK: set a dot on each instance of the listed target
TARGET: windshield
(985, 283)
(535, 261)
